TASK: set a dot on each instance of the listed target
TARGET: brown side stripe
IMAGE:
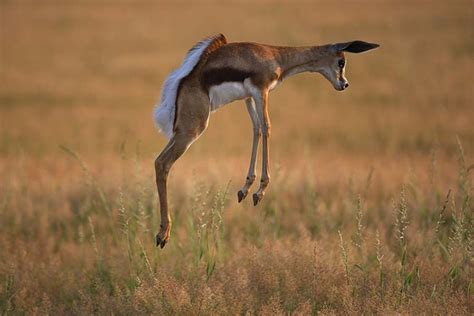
(217, 76)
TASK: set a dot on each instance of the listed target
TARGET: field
(370, 209)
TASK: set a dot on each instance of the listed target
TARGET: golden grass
(357, 218)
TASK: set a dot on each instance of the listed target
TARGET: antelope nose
(346, 85)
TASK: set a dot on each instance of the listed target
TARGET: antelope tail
(165, 111)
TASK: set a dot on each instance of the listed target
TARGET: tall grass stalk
(359, 238)
(142, 216)
(379, 256)
(93, 238)
(344, 256)
(206, 226)
(89, 178)
(145, 259)
(462, 171)
(125, 223)
(440, 219)
(461, 242)
(401, 220)
(214, 231)
(401, 224)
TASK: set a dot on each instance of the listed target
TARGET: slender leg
(262, 111)
(251, 175)
(175, 148)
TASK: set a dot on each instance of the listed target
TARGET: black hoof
(159, 242)
(241, 195)
(256, 199)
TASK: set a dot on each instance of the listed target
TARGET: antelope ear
(354, 46)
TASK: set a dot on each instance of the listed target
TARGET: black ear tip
(361, 46)
(354, 46)
(366, 44)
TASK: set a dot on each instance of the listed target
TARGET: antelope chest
(226, 92)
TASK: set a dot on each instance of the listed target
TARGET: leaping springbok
(215, 73)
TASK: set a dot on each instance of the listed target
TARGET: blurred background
(79, 80)
(87, 75)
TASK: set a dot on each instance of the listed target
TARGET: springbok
(215, 73)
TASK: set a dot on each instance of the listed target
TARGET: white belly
(225, 93)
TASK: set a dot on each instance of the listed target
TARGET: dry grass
(358, 218)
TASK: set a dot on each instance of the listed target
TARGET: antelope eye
(341, 63)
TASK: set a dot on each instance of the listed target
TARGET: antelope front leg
(251, 175)
(262, 111)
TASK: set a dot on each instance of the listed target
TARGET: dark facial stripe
(217, 76)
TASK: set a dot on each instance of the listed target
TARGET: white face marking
(335, 75)
(225, 93)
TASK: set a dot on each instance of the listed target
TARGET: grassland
(370, 206)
